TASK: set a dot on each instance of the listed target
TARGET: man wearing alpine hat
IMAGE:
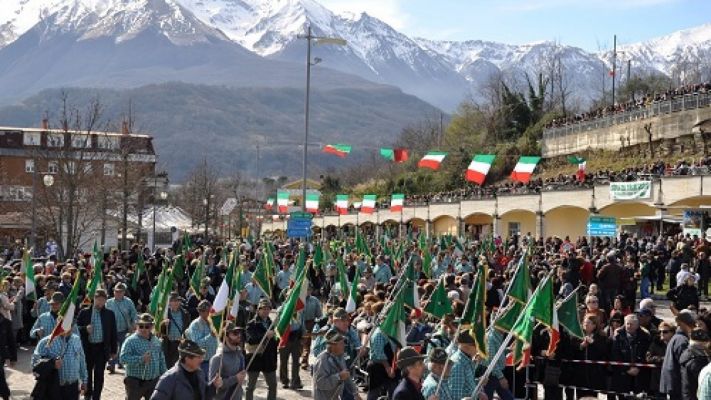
(412, 365)
(332, 378)
(186, 381)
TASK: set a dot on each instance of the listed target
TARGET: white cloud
(390, 11)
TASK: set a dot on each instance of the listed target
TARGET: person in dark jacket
(97, 329)
(412, 365)
(670, 379)
(186, 380)
(692, 360)
(172, 329)
(655, 354)
(630, 345)
(594, 347)
(684, 295)
(609, 280)
(262, 346)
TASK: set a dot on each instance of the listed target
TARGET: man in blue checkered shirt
(143, 358)
(42, 304)
(462, 380)
(46, 321)
(125, 314)
(97, 329)
(69, 360)
(201, 332)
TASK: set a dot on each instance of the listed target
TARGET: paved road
(22, 381)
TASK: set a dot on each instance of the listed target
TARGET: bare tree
(199, 194)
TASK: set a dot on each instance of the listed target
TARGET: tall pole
(306, 117)
(33, 233)
(153, 241)
(614, 66)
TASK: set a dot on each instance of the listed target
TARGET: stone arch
(517, 221)
(445, 225)
(478, 224)
(565, 221)
(625, 211)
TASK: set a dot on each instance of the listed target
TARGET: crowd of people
(625, 350)
(635, 104)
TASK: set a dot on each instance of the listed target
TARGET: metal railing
(681, 103)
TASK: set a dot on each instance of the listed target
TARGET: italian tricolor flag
(269, 204)
(524, 168)
(479, 167)
(340, 150)
(368, 204)
(580, 162)
(294, 303)
(66, 313)
(432, 160)
(342, 203)
(396, 202)
(30, 283)
(312, 203)
(398, 155)
(282, 201)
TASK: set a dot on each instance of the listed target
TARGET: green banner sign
(630, 190)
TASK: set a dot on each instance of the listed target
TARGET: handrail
(680, 103)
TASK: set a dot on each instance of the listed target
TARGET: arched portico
(517, 222)
(566, 221)
(445, 225)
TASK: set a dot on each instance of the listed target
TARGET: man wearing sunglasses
(142, 356)
(230, 364)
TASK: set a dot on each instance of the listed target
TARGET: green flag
(291, 306)
(439, 304)
(155, 294)
(179, 267)
(140, 270)
(318, 256)
(342, 276)
(475, 312)
(568, 315)
(394, 323)
(575, 160)
(97, 261)
(199, 272)
(29, 269)
(538, 309)
(261, 277)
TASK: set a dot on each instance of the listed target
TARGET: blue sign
(602, 226)
(299, 225)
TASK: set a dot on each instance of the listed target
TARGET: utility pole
(614, 66)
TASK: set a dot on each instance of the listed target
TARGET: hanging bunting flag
(269, 205)
(432, 160)
(397, 155)
(312, 202)
(580, 162)
(368, 204)
(342, 203)
(282, 201)
(479, 167)
(397, 200)
(340, 150)
(524, 168)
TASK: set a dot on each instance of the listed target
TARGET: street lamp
(47, 180)
(317, 40)
(206, 203)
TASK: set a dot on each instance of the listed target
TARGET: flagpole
(505, 343)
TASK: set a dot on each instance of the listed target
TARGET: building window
(70, 167)
(55, 140)
(88, 168)
(108, 142)
(514, 228)
(52, 167)
(31, 138)
(16, 193)
(30, 166)
(108, 169)
(81, 141)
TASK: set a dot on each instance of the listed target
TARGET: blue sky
(588, 24)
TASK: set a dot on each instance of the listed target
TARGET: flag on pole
(393, 325)
(312, 202)
(479, 167)
(234, 310)
(397, 155)
(581, 163)
(353, 293)
(340, 150)
(432, 160)
(439, 304)
(342, 276)
(368, 205)
(96, 261)
(30, 282)
(292, 305)
(397, 200)
(568, 315)
(140, 270)
(269, 205)
(65, 317)
(223, 293)
(524, 168)
(475, 312)
(261, 277)
(282, 201)
(538, 309)
(342, 203)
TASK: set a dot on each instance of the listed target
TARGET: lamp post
(47, 181)
(162, 195)
(317, 40)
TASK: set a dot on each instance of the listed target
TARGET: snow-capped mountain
(128, 43)
(441, 72)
